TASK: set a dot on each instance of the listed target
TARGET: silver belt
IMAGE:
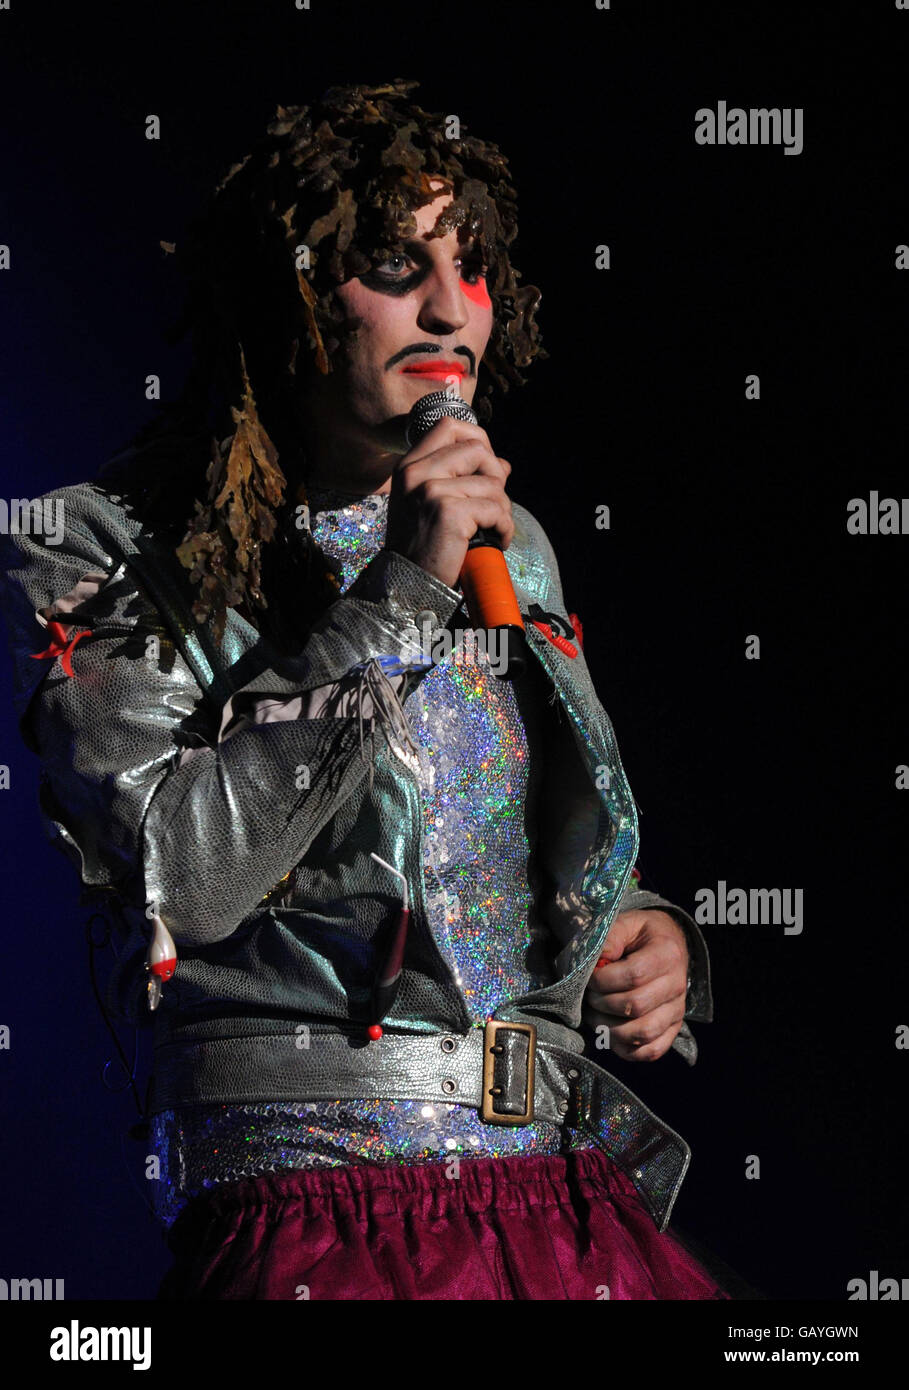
(502, 1070)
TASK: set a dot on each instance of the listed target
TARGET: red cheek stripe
(478, 293)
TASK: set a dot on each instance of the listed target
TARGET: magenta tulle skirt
(537, 1227)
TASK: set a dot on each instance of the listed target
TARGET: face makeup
(478, 293)
(435, 370)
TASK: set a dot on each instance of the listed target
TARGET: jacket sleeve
(203, 840)
(699, 999)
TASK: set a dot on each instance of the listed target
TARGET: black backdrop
(728, 519)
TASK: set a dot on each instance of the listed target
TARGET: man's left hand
(640, 993)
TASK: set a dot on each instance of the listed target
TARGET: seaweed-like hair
(342, 178)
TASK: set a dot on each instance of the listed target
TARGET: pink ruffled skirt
(533, 1227)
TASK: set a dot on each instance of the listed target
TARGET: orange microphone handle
(487, 585)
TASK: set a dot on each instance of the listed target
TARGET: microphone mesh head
(430, 409)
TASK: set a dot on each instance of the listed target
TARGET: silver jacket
(254, 869)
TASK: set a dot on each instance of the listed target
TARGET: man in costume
(363, 898)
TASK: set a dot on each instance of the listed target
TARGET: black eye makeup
(390, 278)
(473, 267)
(389, 275)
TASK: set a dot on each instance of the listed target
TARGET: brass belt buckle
(509, 1051)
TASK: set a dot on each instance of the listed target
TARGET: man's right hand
(442, 491)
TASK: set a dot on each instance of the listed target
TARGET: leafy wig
(327, 194)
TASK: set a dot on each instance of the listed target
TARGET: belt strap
(438, 1068)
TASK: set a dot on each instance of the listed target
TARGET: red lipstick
(435, 369)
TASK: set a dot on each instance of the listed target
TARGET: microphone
(484, 577)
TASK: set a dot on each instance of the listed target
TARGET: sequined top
(478, 781)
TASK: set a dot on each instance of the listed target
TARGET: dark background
(728, 519)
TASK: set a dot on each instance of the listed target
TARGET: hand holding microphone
(449, 513)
